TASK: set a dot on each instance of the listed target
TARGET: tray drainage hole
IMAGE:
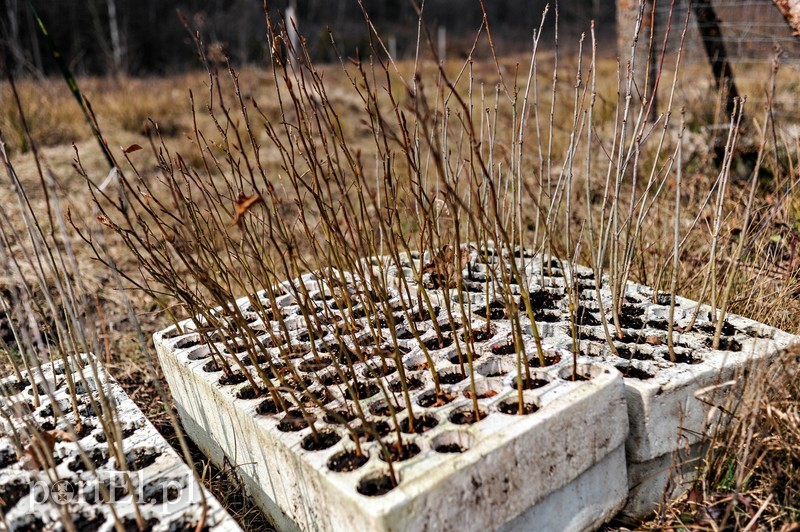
(381, 408)
(399, 453)
(430, 399)
(345, 461)
(376, 484)
(323, 439)
(292, 421)
(466, 416)
(495, 368)
(630, 371)
(451, 376)
(511, 407)
(421, 424)
(453, 441)
(368, 433)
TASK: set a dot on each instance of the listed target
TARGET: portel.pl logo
(113, 487)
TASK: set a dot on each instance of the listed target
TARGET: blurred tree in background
(140, 37)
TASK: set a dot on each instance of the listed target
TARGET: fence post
(645, 59)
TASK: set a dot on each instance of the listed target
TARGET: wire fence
(753, 31)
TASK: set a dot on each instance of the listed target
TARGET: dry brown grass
(750, 478)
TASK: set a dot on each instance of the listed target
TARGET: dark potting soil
(413, 383)
(376, 485)
(89, 523)
(512, 408)
(323, 439)
(368, 433)
(711, 328)
(362, 390)
(11, 493)
(467, 416)
(423, 315)
(129, 524)
(585, 317)
(531, 384)
(459, 358)
(141, 458)
(292, 421)
(248, 392)
(452, 377)
(341, 414)
(97, 457)
(631, 317)
(629, 353)
(212, 366)
(421, 424)
(347, 461)
(504, 349)
(547, 317)
(267, 406)
(376, 371)
(314, 364)
(405, 334)
(186, 526)
(683, 357)
(432, 399)
(549, 360)
(632, 372)
(482, 395)
(400, 453)
(438, 343)
(7, 457)
(725, 343)
(542, 299)
(381, 408)
(492, 311)
(449, 448)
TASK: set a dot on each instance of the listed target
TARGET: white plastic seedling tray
(453, 475)
(34, 496)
